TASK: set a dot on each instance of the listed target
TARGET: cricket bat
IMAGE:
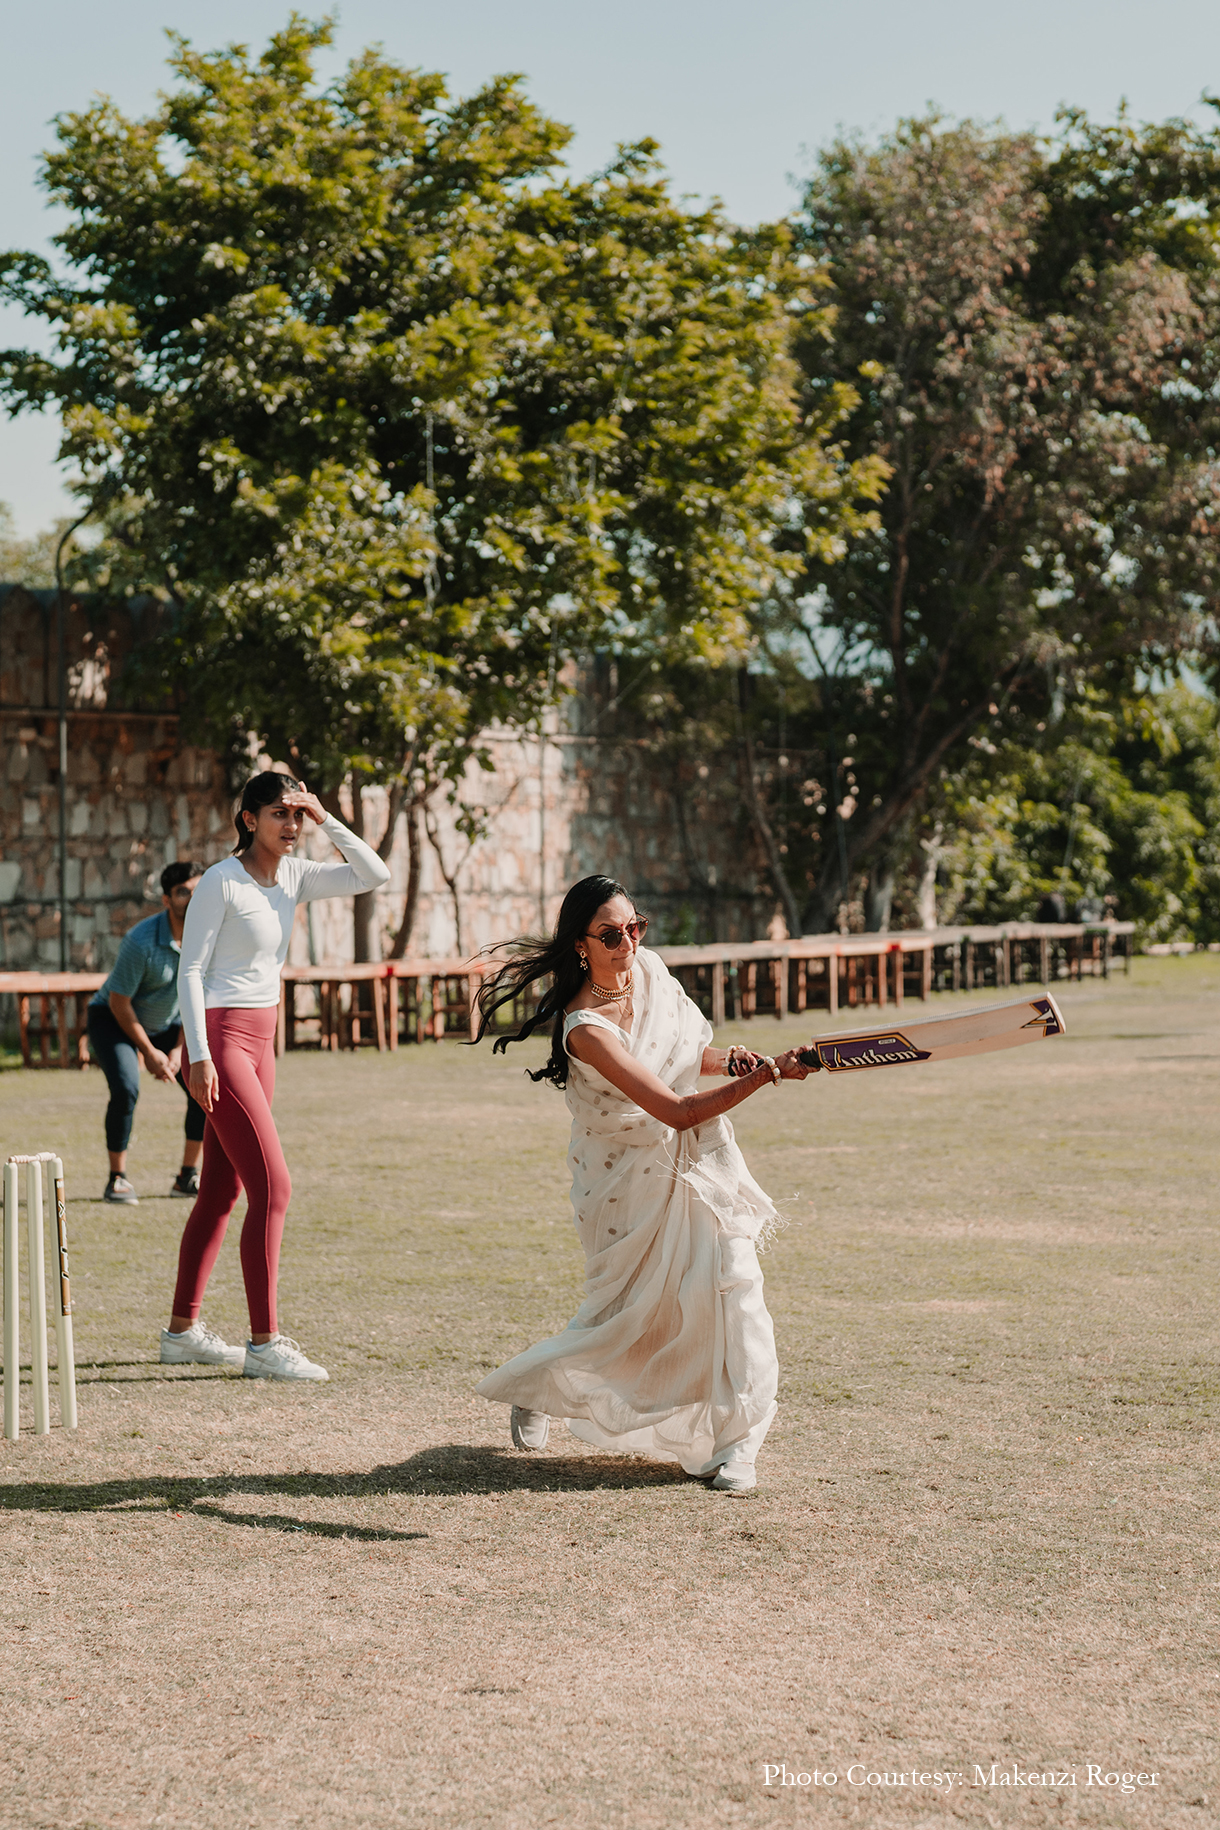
(970, 1032)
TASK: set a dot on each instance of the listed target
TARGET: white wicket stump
(39, 1370)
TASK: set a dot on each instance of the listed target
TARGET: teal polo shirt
(146, 971)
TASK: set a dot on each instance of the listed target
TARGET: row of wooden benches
(385, 1002)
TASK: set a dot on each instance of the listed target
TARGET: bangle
(776, 1076)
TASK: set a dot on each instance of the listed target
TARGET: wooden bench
(341, 1023)
(736, 981)
(425, 1000)
(437, 997)
(62, 1018)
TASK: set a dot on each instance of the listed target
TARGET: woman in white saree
(672, 1351)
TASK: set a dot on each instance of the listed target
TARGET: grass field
(985, 1535)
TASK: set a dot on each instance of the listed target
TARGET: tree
(398, 421)
(1050, 517)
(1119, 811)
(31, 562)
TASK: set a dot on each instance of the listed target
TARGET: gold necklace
(611, 997)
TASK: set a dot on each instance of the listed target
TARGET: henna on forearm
(700, 1107)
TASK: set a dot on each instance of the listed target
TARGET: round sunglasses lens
(612, 938)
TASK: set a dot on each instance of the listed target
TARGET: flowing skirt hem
(698, 1449)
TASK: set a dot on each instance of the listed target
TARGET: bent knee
(738, 1264)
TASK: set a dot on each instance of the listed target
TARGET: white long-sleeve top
(235, 939)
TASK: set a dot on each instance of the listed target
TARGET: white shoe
(199, 1346)
(735, 1477)
(530, 1428)
(280, 1359)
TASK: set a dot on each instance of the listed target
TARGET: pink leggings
(240, 1150)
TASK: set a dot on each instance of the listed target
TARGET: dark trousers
(119, 1059)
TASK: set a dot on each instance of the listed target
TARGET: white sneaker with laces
(280, 1359)
(199, 1346)
(530, 1428)
(735, 1477)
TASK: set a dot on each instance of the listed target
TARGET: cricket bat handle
(808, 1057)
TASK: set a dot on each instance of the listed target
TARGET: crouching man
(134, 1018)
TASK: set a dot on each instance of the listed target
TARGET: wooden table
(1024, 952)
(68, 994)
(743, 979)
(436, 997)
(439, 996)
(339, 1025)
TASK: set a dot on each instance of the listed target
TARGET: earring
(584, 962)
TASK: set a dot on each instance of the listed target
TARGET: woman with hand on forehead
(234, 944)
(672, 1352)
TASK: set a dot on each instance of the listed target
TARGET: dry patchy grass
(985, 1533)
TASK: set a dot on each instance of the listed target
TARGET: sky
(739, 96)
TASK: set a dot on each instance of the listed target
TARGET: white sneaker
(735, 1477)
(280, 1359)
(530, 1428)
(199, 1346)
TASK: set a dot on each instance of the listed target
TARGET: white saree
(672, 1351)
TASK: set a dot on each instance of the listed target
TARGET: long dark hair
(260, 791)
(535, 957)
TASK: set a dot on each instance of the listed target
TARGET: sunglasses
(612, 938)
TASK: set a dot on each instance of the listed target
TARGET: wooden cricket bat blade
(969, 1032)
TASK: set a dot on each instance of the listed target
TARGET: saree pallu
(672, 1351)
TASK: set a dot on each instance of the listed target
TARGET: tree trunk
(904, 796)
(879, 896)
(821, 910)
(762, 825)
(451, 879)
(363, 907)
(402, 939)
(879, 891)
(925, 901)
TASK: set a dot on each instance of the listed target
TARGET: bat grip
(808, 1057)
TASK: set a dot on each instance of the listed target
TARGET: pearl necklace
(611, 997)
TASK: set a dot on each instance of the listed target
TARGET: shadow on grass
(313, 1528)
(146, 1372)
(454, 1469)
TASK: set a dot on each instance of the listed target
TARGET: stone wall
(136, 797)
(556, 811)
(582, 799)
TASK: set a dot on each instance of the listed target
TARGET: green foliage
(31, 562)
(1050, 520)
(1122, 809)
(397, 420)
(1030, 331)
